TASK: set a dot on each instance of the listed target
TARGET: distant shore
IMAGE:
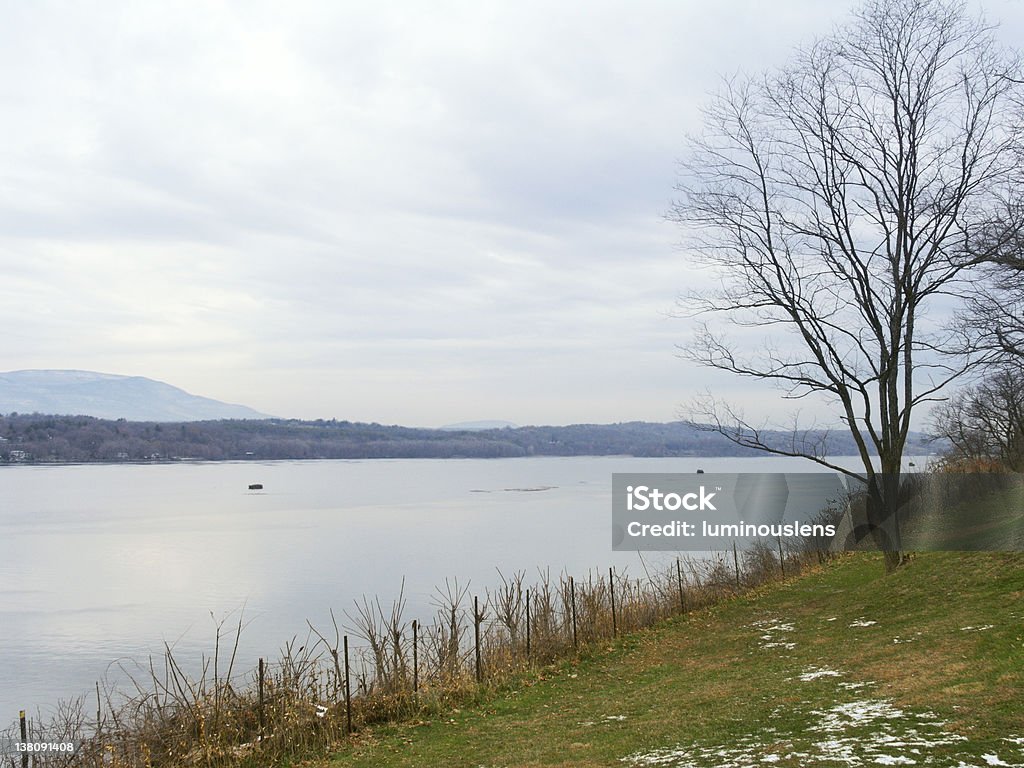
(46, 439)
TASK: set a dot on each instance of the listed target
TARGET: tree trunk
(883, 513)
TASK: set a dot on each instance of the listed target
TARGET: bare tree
(837, 199)
(985, 422)
(993, 319)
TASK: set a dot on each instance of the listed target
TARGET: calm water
(104, 564)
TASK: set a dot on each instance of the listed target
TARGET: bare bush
(300, 704)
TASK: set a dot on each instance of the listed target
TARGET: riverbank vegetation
(376, 665)
(844, 666)
(835, 663)
(40, 438)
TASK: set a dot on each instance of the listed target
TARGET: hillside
(476, 426)
(107, 396)
(40, 438)
(843, 667)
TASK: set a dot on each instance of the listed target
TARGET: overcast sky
(412, 213)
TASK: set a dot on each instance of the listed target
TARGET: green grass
(990, 517)
(722, 687)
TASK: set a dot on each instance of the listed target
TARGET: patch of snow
(856, 686)
(813, 673)
(982, 628)
(854, 733)
(768, 637)
(993, 760)
(855, 713)
(862, 622)
(774, 625)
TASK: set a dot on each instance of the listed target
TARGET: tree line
(38, 438)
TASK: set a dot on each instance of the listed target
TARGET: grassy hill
(842, 667)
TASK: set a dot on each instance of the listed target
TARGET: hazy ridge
(109, 396)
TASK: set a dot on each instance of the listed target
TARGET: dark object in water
(255, 486)
(700, 471)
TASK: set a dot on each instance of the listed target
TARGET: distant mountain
(477, 426)
(107, 396)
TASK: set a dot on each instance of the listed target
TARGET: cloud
(439, 212)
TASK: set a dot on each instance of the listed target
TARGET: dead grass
(701, 691)
(393, 672)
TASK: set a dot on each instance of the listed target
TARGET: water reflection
(100, 563)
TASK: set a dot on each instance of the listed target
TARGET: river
(100, 565)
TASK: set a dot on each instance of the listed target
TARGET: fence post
(679, 578)
(396, 668)
(24, 737)
(453, 643)
(611, 587)
(415, 657)
(782, 559)
(99, 710)
(263, 722)
(476, 634)
(736, 562)
(527, 625)
(348, 693)
(572, 598)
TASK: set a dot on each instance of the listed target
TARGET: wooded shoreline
(44, 439)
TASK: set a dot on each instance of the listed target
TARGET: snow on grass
(814, 673)
(990, 759)
(862, 732)
(605, 719)
(993, 760)
(982, 628)
(773, 633)
(854, 713)
(889, 760)
(856, 686)
(774, 625)
(899, 640)
(853, 733)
